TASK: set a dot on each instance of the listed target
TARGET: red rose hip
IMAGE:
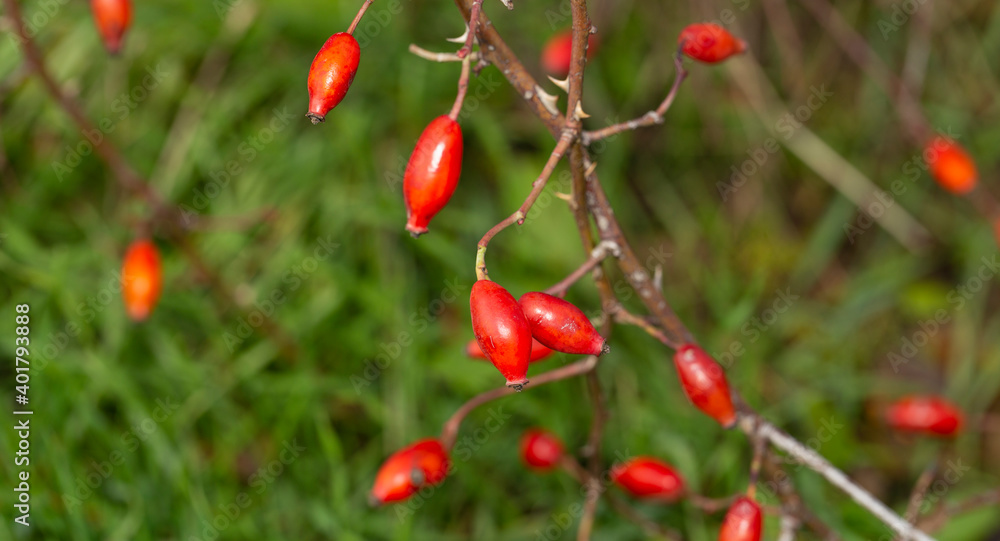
(424, 463)
(709, 43)
(931, 415)
(538, 351)
(705, 384)
(557, 53)
(541, 449)
(951, 165)
(142, 278)
(501, 331)
(331, 74)
(742, 522)
(432, 173)
(112, 18)
(649, 478)
(560, 325)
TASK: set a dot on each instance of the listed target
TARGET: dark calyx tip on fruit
(373, 500)
(518, 386)
(415, 232)
(315, 118)
(605, 348)
(730, 424)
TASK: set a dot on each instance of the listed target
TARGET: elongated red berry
(424, 463)
(113, 18)
(705, 384)
(432, 173)
(538, 351)
(142, 278)
(930, 415)
(541, 449)
(331, 74)
(742, 522)
(557, 53)
(709, 43)
(560, 325)
(501, 331)
(951, 166)
(649, 478)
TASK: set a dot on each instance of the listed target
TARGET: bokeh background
(155, 430)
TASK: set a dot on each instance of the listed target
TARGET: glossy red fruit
(930, 415)
(541, 449)
(538, 351)
(560, 325)
(742, 522)
(432, 173)
(142, 278)
(501, 331)
(424, 463)
(557, 53)
(649, 478)
(113, 18)
(951, 166)
(331, 74)
(709, 43)
(705, 383)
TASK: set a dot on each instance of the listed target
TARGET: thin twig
(597, 255)
(649, 119)
(450, 429)
(518, 217)
(357, 18)
(463, 87)
(477, 8)
(920, 491)
(837, 478)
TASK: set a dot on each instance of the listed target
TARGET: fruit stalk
(463, 87)
(357, 18)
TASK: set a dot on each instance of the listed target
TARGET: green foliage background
(231, 68)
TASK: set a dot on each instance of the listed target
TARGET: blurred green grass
(97, 377)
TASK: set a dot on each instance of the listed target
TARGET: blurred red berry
(541, 449)
(560, 325)
(113, 18)
(538, 351)
(649, 478)
(331, 74)
(501, 330)
(950, 165)
(142, 278)
(742, 522)
(705, 384)
(557, 53)
(432, 173)
(930, 415)
(709, 43)
(424, 463)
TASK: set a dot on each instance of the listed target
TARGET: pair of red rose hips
(504, 328)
